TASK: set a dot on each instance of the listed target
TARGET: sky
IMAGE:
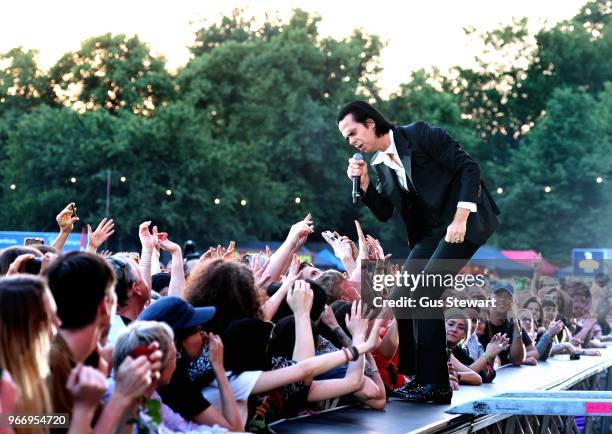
(420, 34)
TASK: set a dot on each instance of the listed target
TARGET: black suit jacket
(441, 174)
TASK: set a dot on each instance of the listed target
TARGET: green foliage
(568, 149)
(113, 73)
(251, 117)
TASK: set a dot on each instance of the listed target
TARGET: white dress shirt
(391, 158)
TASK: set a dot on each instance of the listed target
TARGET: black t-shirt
(181, 395)
(506, 328)
(461, 355)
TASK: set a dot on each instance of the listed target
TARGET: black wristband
(354, 352)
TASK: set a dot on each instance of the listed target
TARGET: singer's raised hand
(358, 168)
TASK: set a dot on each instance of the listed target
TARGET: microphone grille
(358, 156)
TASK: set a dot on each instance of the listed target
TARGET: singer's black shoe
(433, 393)
(410, 386)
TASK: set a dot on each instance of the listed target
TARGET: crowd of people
(220, 341)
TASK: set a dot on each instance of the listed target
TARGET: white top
(241, 385)
(117, 326)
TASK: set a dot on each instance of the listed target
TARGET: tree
(113, 73)
(567, 151)
(22, 83)
(274, 94)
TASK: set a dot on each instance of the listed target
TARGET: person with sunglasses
(133, 294)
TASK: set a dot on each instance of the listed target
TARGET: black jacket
(441, 174)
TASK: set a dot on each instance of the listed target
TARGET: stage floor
(557, 373)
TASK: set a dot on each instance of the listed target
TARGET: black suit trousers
(422, 342)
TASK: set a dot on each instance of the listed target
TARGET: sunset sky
(419, 34)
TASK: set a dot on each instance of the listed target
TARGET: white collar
(391, 149)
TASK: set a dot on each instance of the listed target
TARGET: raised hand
(65, 219)
(148, 240)
(374, 339)
(356, 323)
(167, 245)
(219, 252)
(96, 238)
(554, 328)
(363, 245)
(300, 297)
(342, 249)
(261, 279)
(292, 275)
(298, 234)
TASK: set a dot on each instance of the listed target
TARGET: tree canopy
(249, 123)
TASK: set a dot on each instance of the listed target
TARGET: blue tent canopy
(326, 259)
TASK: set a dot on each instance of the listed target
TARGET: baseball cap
(503, 286)
(177, 313)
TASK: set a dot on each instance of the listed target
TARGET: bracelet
(516, 335)
(346, 354)
(458, 377)
(354, 352)
(487, 356)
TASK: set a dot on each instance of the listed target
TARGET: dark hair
(159, 281)
(8, 256)
(548, 303)
(304, 265)
(362, 111)
(245, 345)
(318, 301)
(575, 287)
(535, 300)
(79, 282)
(341, 308)
(227, 285)
(124, 278)
(282, 342)
(43, 248)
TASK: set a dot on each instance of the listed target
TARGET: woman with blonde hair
(28, 321)
(26, 324)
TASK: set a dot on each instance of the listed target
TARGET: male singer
(424, 175)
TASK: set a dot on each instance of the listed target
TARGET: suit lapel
(404, 150)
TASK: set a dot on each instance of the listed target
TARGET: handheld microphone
(356, 181)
